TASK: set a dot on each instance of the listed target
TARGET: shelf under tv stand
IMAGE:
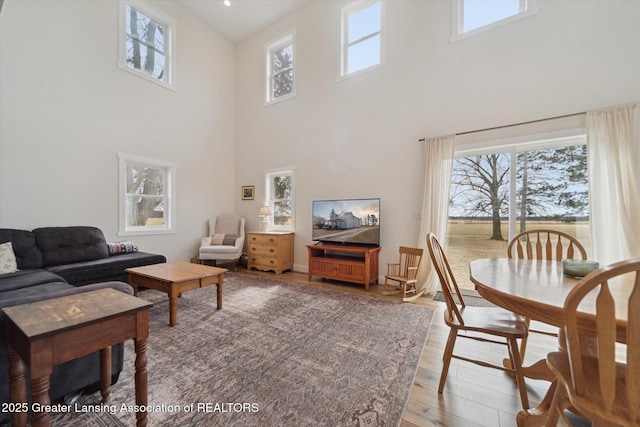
(346, 263)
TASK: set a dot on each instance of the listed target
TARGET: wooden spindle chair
(404, 273)
(550, 245)
(593, 382)
(485, 324)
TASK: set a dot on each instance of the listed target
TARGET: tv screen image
(349, 221)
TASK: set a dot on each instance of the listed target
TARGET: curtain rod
(513, 124)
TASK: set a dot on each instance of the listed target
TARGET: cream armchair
(225, 240)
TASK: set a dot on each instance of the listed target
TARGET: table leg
(105, 374)
(141, 380)
(219, 291)
(18, 388)
(173, 309)
(133, 285)
(40, 395)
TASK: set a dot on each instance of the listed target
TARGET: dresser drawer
(263, 249)
(262, 239)
(263, 261)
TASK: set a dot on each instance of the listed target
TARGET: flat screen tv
(348, 221)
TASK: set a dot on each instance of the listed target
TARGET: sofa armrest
(206, 241)
(239, 243)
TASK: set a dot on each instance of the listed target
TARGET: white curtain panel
(438, 154)
(614, 180)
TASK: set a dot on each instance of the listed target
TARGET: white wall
(66, 110)
(358, 137)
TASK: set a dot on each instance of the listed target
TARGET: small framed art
(248, 192)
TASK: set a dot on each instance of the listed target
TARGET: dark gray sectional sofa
(54, 262)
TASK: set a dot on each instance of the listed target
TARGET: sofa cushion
(34, 291)
(7, 259)
(27, 278)
(67, 245)
(110, 268)
(28, 255)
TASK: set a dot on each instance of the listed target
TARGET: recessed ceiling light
(227, 3)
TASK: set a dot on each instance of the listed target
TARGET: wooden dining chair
(545, 244)
(485, 324)
(550, 245)
(597, 385)
(404, 273)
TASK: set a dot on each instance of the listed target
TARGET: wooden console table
(46, 333)
(347, 263)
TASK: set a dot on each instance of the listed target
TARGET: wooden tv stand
(347, 263)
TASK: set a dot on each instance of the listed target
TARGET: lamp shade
(264, 211)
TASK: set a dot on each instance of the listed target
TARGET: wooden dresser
(270, 251)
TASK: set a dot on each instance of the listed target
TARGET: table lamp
(265, 214)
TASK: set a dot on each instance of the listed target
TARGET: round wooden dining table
(537, 290)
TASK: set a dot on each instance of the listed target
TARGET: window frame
(345, 12)
(515, 145)
(169, 169)
(282, 42)
(527, 8)
(169, 33)
(269, 201)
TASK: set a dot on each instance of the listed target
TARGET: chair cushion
(227, 224)
(218, 249)
(223, 239)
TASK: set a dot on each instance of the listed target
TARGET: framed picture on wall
(248, 191)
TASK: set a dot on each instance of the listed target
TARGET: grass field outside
(467, 240)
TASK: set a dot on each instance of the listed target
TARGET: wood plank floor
(473, 395)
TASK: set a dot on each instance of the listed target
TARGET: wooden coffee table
(46, 333)
(174, 278)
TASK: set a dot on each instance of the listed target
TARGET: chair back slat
(410, 259)
(633, 348)
(606, 332)
(545, 244)
(609, 392)
(448, 282)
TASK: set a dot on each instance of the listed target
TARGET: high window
(500, 192)
(146, 43)
(146, 195)
(280, 69)
(469, 17)
(279, 193)
(361, 36)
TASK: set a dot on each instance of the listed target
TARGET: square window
(469, 17)
(146, 43)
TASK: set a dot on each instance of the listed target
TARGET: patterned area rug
(471, 298)
(277, 354)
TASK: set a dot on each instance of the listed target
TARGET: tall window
(280, 197)
(146, 195)
(473, 16)
(146, 43)
(280, 69)
(499, 193)
(361, 36)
